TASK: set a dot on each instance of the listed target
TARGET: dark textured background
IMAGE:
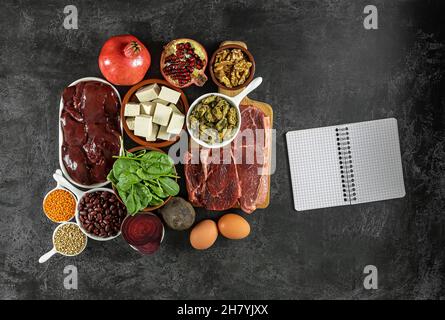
(320, 66)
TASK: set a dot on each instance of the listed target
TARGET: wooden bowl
(249, 57)
(131, 97)
(148, 209)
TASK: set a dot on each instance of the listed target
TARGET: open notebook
(345, 164)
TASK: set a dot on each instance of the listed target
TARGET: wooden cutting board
(266, 108)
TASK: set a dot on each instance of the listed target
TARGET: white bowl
(53, 251)
(77, 215)
(234, 101)
(217, 144)
(163, 229)
(62, 166)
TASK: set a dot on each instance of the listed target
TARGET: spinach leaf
(156, 201)
(144, 179)
(130, 203)
(144, 195)
(169, 186)
(144, 175)
(157, 189)
(124, 165)
(126, 180)
(112, 178)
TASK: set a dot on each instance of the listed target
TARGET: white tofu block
(130, 122)
(162, 114)
(169, 95)
(163, 134)
(174, 108)
(148, 108)
(143, 125)
(165, 103)
(132, 109)
(148, 93)
(154, 133)
(176, 123)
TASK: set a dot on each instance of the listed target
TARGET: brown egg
(233, 226)
(204, 235)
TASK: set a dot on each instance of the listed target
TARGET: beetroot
(148, 248)
(143, 231)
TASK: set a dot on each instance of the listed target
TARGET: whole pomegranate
(124, 60)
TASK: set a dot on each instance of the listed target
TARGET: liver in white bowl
(62, 166)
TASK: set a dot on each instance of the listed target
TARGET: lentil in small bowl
(59, 205)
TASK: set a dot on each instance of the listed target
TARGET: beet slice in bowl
(148, 248)
(142, 229)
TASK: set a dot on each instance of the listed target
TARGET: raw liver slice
(76, 164)
(73, 131)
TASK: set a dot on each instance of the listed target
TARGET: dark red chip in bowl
(143, 231)
(148, 248)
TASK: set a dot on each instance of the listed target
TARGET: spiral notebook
(345, 164)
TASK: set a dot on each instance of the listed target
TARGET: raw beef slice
(214, 186)
(250, 174)
(218, 186)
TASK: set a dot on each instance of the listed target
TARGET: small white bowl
(46, 196)
(163, 229)
(53, 251)
(62, 166)
(234, 101)
(77, 215)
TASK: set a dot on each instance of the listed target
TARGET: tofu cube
(169, 95)
(174, 108)
(148, 108)
(130, 122)
(163, 134)
(176, 123)
(148, 93)
(143, 125)
(162, 114)
(165, 103)
(132, 109)
(154, 133)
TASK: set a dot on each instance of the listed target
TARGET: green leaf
(144, 175)
(126, 180)
(112, 178)
(169, 186)
(124, 165)
(130, 203)
(155, 201)
(156, 188)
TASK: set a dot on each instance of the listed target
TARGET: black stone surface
(320, 67)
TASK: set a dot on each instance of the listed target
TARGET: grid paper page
(376, 160)
(374, 173)
(315, 174)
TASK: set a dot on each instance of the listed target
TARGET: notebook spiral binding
(346, 166)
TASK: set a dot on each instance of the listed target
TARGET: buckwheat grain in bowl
(69, 240)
